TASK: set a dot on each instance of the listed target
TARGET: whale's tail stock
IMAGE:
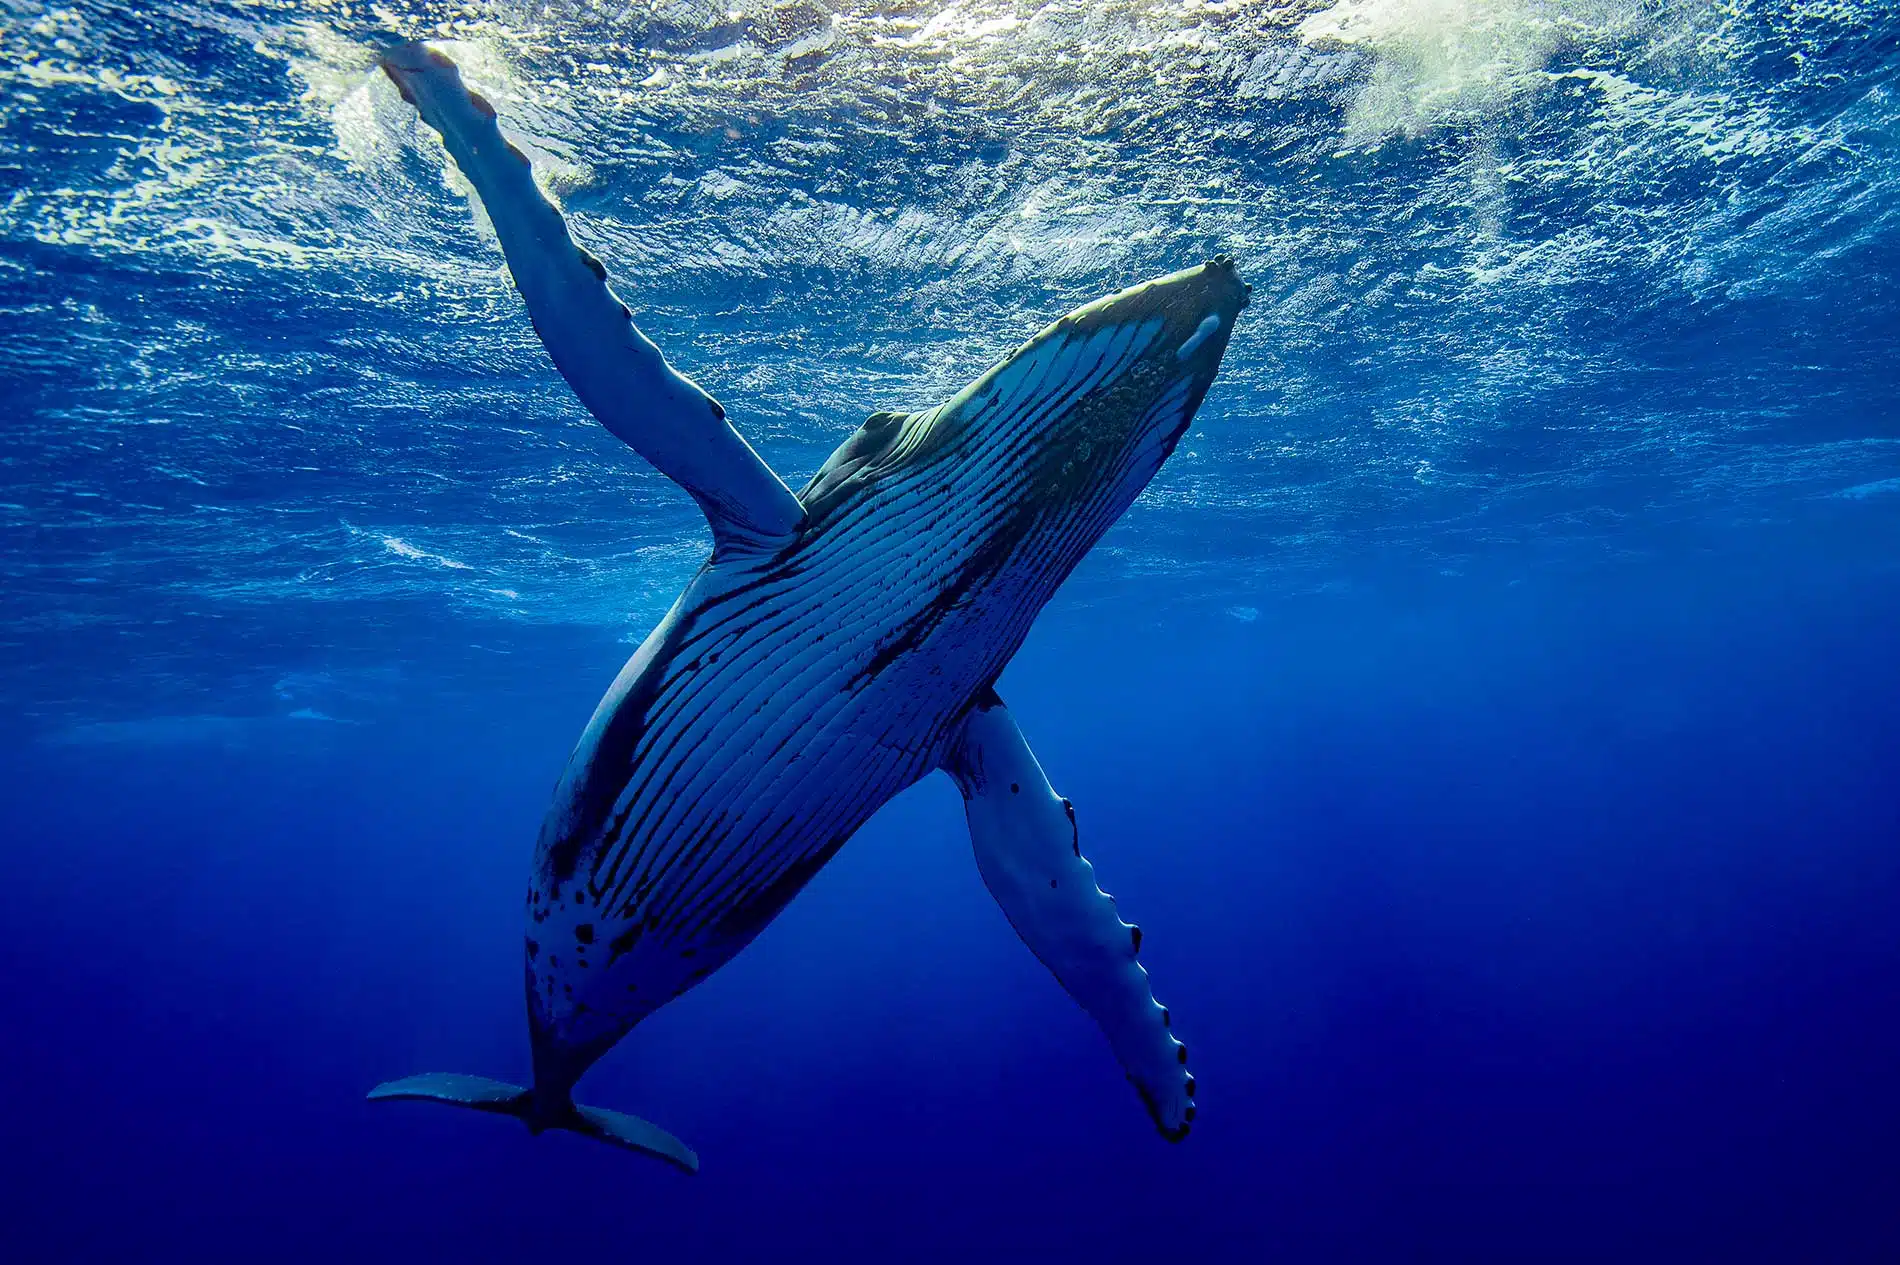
(478, 1093)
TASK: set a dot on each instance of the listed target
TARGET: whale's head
(1080, 417)
(1126, 373)
(1077, 419)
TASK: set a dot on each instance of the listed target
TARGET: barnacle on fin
(481, 105)
(593, 265)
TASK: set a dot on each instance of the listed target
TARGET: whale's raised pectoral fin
(1030, 856)
(617, 372)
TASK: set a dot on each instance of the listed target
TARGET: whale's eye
(1201, 334)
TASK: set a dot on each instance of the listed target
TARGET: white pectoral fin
(617, 372)
(1030, 856)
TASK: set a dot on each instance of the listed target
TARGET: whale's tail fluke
(481, 1094)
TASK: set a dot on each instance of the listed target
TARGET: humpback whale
(838, 645)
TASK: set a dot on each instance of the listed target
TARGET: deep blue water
(1489, 714)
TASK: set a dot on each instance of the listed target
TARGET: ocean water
(1489, 713)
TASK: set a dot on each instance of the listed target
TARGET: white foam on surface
(403, 549)
(1436, 61)
(1867, 491)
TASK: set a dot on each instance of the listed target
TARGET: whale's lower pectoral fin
(1030, 856)
(619, 374)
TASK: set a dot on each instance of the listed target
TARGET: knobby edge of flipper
(478, 1093)
(1029, 852)
(616, 371)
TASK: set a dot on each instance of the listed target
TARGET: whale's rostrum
(838, 645)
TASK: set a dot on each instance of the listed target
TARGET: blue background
(1555, 927)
